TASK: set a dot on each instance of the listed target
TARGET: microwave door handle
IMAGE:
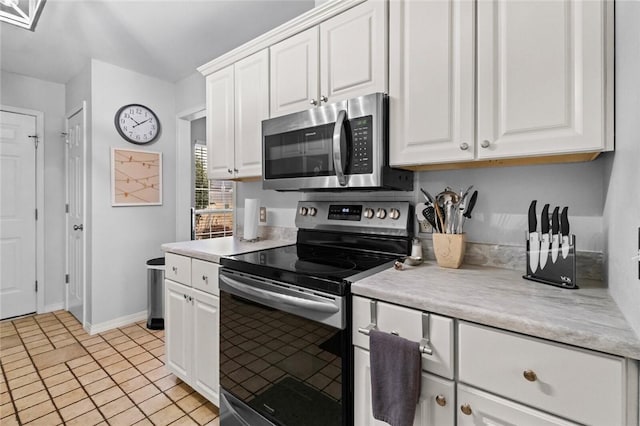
(337, 153)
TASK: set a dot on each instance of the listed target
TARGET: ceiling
(166, 39)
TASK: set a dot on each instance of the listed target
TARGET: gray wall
(31, 93)
(622, 171)
(190, 93)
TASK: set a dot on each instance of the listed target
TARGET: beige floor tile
(167, 382)
(116, 407)
(149, 365)
(134, 384)
(5, 398)
(205, 413)
(58, 378)
(111, 359)
(144, 422)
(144, 393)
(92, 377)
(125, 375)
(90, 418)
(7, 410)
(99, 386)
(23, 380)
(146, 338)
(185, 421)
(133, 351)
(140, 358)
(126, 418)
(166, 416)
(65, 342)
(95, 340)
(61, 336)
(13, 354)
(36, 411)
(85, 368)
(27, 390)
(191, 402)
(152, 344)
(19, 372)
(106, 396)
(214, 422)
(119, 340)
(117, 367)
(157, 352)
(128, 344)
(65, 387)
(80, 361)
(52, 371)
(50, 419)
(178, 392)
(59, 356)
(69, 398)
(101, 346)
(44, 349)
(103, 353)
(17, 364)
(10, 421)
(31, 400)
(154, 404)
(76, 409)
(157, 373)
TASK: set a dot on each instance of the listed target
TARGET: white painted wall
(190, 92)
(25, 92)
(622, 174)
(124, 238)
(77, 90)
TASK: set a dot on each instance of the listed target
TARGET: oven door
(284, 354)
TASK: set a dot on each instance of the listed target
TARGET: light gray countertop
(587, 317)
(213, 249)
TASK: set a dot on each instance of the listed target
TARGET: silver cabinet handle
(174, 269)
(313, 102)
(485, 144)
(230, 171)
(323, 98)
(205, 279)
(185, 296)
(464, 146)
(78, 227)
(337, 154)
(276, 297)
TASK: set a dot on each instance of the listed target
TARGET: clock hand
(142, 122)
(132, 119)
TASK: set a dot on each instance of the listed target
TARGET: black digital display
(345, 212)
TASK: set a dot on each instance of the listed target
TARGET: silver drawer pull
(205, 279)
(174, 269)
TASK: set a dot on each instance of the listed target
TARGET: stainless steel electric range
(285, 313)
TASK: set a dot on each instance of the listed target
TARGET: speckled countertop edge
(211, 250)
(587, 317)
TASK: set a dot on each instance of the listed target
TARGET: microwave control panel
(362, 143)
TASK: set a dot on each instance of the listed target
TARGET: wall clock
(137, 124)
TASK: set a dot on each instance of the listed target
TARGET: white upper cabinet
(237, 102)
(353, 52)
(541, 77)
(343, 57)
(294, 73)
(251, 107)
(220, 123)
(431, 81)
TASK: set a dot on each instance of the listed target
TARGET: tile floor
(53, 373)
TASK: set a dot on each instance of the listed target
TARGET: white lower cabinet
(192, 327)
(436, 405)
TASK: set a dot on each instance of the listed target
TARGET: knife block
(562, 273)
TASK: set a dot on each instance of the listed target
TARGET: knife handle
(564, 221)
(533, 220)
(544, 219)
(555, 223)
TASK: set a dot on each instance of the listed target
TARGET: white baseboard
(53, 307)
(115, 323)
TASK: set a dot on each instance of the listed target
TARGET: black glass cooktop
(312, 266)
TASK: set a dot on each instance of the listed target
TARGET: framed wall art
(136, 177)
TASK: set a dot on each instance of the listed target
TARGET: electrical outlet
(263, 214)
(424, 227)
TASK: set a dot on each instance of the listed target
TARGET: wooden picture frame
(136, 177)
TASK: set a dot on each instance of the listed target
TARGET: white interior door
(17, 214)
(75, 215)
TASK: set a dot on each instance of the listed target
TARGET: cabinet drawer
(577, 384)
(481, 408)
(204, 276)
(178, 268)
(407, 323)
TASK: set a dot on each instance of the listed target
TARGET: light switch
(263, 214)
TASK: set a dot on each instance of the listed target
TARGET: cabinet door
(205, 276)
(206, 333)
(428, 412)
(541, 77)
(251, 107)
(220, 120)
(178, 329)
(431, 81)
(294, 73)
(481, 408)
(353, 52)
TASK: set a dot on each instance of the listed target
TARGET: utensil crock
(449, 249)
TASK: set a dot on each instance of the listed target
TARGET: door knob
(229, 171)
(464, 146)
(323, 98)
(485, 144)
(313, 102)
(78, 227)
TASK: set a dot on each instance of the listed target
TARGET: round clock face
(137, 124)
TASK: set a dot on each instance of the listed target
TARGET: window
(213, 200)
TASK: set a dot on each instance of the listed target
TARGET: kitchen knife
(564, 231)
(534, 238)
(544, 244)
(428, 196)
(467, 211)
(555, 238)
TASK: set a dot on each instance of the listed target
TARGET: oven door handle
(337, 150)
(278, 298)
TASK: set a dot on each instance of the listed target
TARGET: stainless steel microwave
(338, 146)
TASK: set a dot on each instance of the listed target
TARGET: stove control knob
(394, 214)
(312, 211)
(382, 213)
(303, 211)
(368, 213)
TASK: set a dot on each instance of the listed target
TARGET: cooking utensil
(544, 227)
(564, 231)
(428, 196)
(471, 205)
(555, 239)
(429, 213)
(449, 201)
(534, 238)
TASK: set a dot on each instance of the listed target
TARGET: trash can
(155, 294)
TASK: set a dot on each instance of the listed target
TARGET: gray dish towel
(396, 365)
